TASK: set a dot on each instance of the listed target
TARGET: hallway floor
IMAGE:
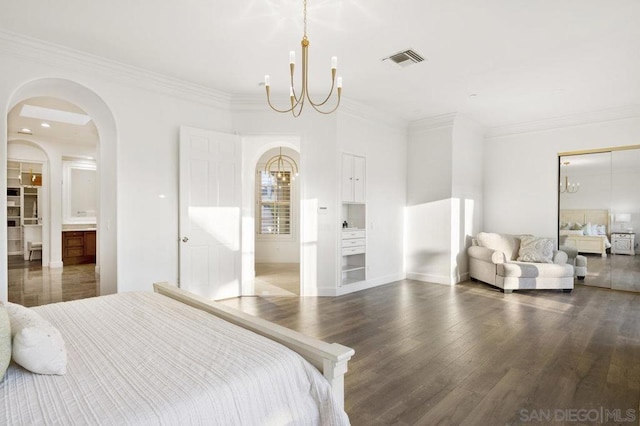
(31, 285)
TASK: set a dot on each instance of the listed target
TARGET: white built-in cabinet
(353, 178)
(353, 235)
(24, 228)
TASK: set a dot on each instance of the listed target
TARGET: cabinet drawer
(73, 234)
(72, 241)
(353, 242)
(620, 236)
(73, 251)
(352, 250)
(352, 234)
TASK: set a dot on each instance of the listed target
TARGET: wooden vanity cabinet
(78, 247)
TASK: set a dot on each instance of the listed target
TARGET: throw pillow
(576, 226)
(534, 249)
(5, 341)
(37, 345)
(601, 230)
(507, 244)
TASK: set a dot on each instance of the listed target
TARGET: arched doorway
(253, 149)
(277, 218)
(94, 106)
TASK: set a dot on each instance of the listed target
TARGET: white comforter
(142, 358)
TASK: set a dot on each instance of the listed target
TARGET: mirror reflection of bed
(599, 202)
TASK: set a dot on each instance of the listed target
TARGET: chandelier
(298, 99)
(279, 164)
(568, 187)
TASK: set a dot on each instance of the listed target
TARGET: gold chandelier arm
(331, 110)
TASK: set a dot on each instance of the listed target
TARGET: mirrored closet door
(599, 210)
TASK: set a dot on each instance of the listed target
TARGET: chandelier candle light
(298, 100)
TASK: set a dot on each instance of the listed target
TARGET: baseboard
(438, 279)
(364, 285)
(56, 264)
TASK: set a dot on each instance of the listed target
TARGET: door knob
(185, 239)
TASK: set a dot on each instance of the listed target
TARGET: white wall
(318, 181)
(444, 192)
(428, 210)
(148, 121)
(385, 148)
(521, 172)
(466, 190)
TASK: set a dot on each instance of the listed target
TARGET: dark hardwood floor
(429, 354)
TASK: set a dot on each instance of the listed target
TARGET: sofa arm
(486, 254)
(560, 257)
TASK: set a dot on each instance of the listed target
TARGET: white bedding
(142, 358)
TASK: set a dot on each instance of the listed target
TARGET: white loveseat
(519, 262)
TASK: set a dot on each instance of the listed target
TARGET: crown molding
(611, 114)
(51, 54)
(256, 103)
(432, 123)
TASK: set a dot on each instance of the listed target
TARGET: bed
(597, 241)
(170, 357)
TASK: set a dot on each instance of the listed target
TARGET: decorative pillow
(601, 230)
(5, 340)
(588, 229)
(507, 244)
(534, 249)
(37, 345)
(576, 226)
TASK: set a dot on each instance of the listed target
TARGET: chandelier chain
(305, 19)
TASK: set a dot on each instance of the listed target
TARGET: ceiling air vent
(404, 59)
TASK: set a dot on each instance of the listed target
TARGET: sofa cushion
(508, 244)
(534, 270)
(534, 249)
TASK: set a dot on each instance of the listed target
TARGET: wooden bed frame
(586, 243)
(330, 358)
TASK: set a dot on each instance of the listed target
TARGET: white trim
(55, 265)
(431, 123)
(429, 278)
(611, 114)
(362, 285)
(37, 50)
(257, 103)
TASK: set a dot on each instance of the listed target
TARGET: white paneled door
(209, 213)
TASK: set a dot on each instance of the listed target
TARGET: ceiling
(500, 62)
(57, 131)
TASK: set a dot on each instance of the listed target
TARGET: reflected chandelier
(298, 100)
(280, 163)
(568, 187)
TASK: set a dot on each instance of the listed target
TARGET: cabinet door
(347, 178)
(90, 243)
(359, 179)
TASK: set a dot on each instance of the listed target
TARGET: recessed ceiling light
(49, 114)
(45, 125)
(25, 130)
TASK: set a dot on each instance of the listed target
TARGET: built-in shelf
(22, 204)
(353, 245)
(349, 268)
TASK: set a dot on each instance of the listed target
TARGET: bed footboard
(330, 358)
